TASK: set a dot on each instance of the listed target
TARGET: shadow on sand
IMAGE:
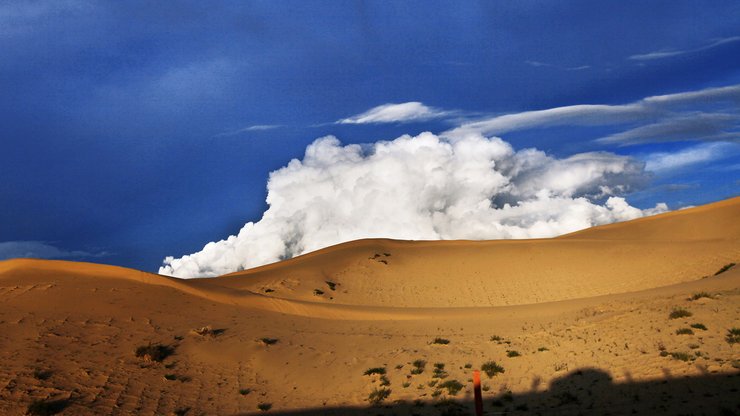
(586, 391)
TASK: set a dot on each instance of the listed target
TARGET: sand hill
(621, 319)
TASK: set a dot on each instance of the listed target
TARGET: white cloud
(40, 250)
(703, 153)
(257, 127)
(423, 187)
(709, 114)
(396, 113)
(671, 53)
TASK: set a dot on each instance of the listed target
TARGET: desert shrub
(725, 268)
(682, 356)
(468, 365)
(697, 296)
(269, 341)
(40, 374)
(699, 326)
(374, 370)
(154, 352)
(378, 395)
(491, 368)
(170, 377)
(264, 406)
(733, 336)
(208, 331)
(244, 392)
(44, 407)
(679, 313)
(405, 384)
(439, 371)
(384, 381)
(418, 366)
(181, 411)
(512, 353)
(441, 341)
(496, 338)
(684, 331)
(318, 292)
(453, 386)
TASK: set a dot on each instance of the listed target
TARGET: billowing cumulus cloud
(422, 188)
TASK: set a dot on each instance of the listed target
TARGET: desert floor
(628, 318)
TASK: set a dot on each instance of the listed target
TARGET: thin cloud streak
(671, 53)
(396, 113)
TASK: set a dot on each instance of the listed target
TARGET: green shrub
(439, 371)
(378, 395)
(244, 392)
(375, 370)
(697, 296)
(453, 386)
(683, 356)
(418, 366)
(699, 326)
(679, 313)
(491, 368)
(512, 353)
(684, 331)
(441, 341)
(725, 268)
(733, 336)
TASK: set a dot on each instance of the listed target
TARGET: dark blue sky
(125, 126)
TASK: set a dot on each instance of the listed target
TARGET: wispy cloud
(668, 53)
(702, 153)
(539, 64)
(396, 113)
(41, 250)
(256, 127)
(709, 114)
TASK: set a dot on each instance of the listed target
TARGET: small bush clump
(244, 392)
(491, 368)
(418, 366)
(378, 395)
(496, 338)
(269, 341)
(441, 341)
(439, 371)
(332, 285)
(264, 406)
(679, 313)
(684, 331)
(697, 296)
(725, 268)
(699, 326)
(374, 370)
(453, 387)
(733, 336)
(543, 349)
(154, 352)
(682, 356)
(44, 407)
(512, 353)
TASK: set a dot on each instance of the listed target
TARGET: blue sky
(131, 131)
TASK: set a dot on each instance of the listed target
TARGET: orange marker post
(478, 394)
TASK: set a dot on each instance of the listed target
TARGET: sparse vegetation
(318, 292)
(496, 338)
(40, 374)
(561, 367)
(181, 411)
(269, 341)
(699, 326)
(384, 381)
(154, 352)
(405, 384)
(378, 395)
(45, 408)
(679, 313)
(684, 331)
(170, 377)
(453, 386)
(491, 368)
(468, 365)
(733, 336)
(264, 406)
(439, 371)
(441, 341)
(244, 392)
(512, 353)
(697, 296)
(374, 370)
(418, 366)
(682, 356)
(332, 285)
(208, 331)
(542, 349)
(725, 268)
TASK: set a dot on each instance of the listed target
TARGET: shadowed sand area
(589, 315)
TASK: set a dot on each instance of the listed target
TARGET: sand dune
(588, 313)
